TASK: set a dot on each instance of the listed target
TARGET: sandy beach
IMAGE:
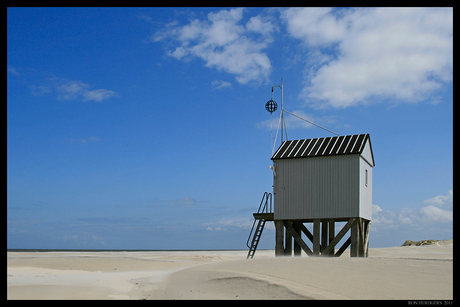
(406, 272)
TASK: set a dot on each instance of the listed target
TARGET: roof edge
(334, 146)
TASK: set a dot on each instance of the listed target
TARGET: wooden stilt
(354, 239)
(316, 237)
(331, 236)
(366, 238)
(279, 242)
(297, 248)
(305, 231)
(288, 240)
(361, 238)
(324, 237)
(350, 224)
(298, 239)
(343, 248)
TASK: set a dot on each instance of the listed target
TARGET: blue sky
(145, 128)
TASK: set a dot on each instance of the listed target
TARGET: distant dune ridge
(429, 242)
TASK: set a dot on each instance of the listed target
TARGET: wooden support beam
(343, 248)
(265, 216)
(361, 238)
(288, 240)
(316, 237)
(279, 243)
(323, 235)
(297, 248)
(351, 222)
(354, 239)
(298, 239)
(305, 231)
(331, 236)
(331, 230)
(366, 239)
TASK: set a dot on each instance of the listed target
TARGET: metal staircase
(264, 214)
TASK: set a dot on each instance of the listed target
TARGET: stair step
(264, 214)
(256, 238)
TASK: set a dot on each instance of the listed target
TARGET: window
(366, 181)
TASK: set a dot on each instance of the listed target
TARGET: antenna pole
(282, 111)
(271, 107)
(282, 122)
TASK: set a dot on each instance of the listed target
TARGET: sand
(407, 272)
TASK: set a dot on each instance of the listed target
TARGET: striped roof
(327, 146)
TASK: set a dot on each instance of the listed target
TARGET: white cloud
(353, 56)
(223, 43)
(435, 214)
(376, 209)
(382, 219)
(86, 140)
(13, 71)
(40, 90)
(404, 220)
(441, 199)
(229, 223)
(71, 90)
(209, 228)
(185, 202)
(396, 53)
(219, 84)
(145, 18)
(314, 26)
(416, 218)
(264, 26)
(99, 95)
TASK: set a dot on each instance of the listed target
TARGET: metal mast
(282, 122)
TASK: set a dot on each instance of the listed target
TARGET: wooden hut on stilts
(320, 181)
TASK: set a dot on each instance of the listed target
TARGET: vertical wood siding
(317, 187)
(365, 192)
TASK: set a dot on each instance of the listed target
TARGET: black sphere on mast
(271, 106)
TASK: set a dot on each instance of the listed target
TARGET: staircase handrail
(266, 196)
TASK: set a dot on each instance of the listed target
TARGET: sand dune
(314, 278)
(429, 242)
(409, 272)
